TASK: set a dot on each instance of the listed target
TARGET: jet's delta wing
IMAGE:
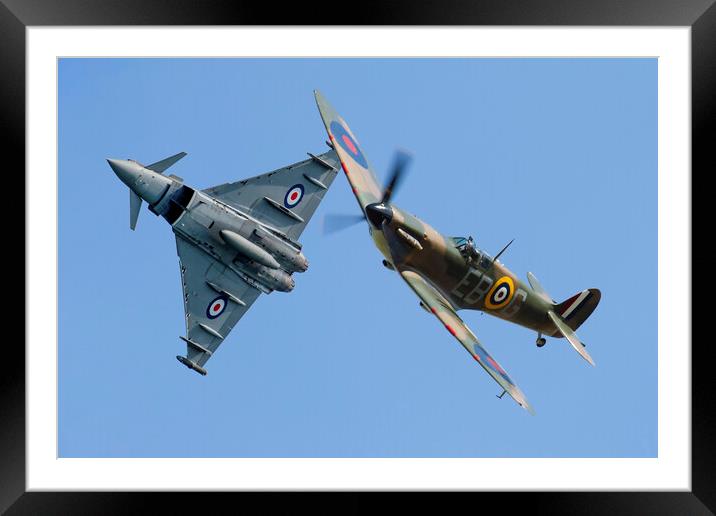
(217, 294)
(285, 198)
(439, 307)
(215, 298)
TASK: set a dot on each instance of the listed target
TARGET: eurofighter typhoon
(235, 241)
(450, 273)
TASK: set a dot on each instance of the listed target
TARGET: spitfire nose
(126, 171)
(378, 213)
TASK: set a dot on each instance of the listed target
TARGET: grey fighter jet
(234, 241)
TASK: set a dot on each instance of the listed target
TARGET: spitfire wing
(437, 304)
(355, 165)
(215, 298)
(285, 198)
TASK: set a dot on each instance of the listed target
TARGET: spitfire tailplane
(569, 334)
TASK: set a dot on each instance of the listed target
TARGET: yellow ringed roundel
(500, 294)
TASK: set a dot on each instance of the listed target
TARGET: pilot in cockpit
(467, 249)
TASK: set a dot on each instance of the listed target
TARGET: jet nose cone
(125, 170)
(116, 164)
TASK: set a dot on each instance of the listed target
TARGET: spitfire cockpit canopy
(463, 242)
(466, 246)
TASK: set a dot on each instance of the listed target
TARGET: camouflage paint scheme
(449, 274)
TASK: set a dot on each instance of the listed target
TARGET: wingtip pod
(192, 365)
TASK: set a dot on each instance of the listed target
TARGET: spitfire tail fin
(575, 310)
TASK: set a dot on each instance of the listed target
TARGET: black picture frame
(700, 15)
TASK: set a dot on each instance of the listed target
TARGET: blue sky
(560, 154)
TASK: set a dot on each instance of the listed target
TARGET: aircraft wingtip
(588, 357)
(522, 401)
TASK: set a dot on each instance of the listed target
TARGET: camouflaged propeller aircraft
(234, 241)
(449, 273)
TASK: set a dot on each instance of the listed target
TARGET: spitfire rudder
(579, 307)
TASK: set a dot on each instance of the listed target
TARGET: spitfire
(450, 273)
(235, 241)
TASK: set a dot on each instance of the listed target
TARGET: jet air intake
(248, 249)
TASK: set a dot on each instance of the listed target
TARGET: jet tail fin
(569, 334)
(135, 203)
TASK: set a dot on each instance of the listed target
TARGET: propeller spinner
(376, 213)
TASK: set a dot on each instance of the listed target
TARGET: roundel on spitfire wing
(348, 144)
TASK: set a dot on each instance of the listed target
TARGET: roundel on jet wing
(216, 307)
(500, 294)
(347, 143)
(293, 196)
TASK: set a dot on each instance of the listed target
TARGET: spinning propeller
(378, 212)
(334, 222)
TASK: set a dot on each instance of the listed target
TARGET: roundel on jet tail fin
(347, 143)
(500, 294)
(293, 196)
(216, 307)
